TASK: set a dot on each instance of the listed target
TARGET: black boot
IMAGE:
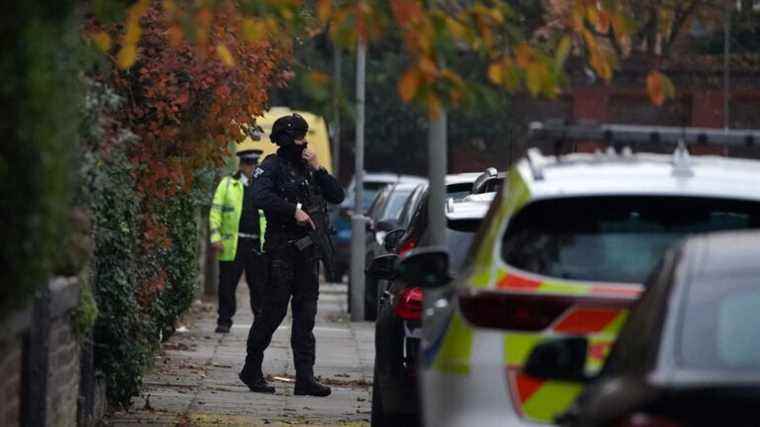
(310, 387)
(257, 385)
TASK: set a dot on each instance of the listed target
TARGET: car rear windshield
(458, 191)
(613, 239)
(719, 324)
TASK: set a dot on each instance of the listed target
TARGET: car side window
(636, 347)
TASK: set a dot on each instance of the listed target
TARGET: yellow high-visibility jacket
(224, 217)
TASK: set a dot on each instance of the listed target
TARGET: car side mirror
(392, 239)
(425, 267)
(562, 359)
(383, 267)
(386, 225)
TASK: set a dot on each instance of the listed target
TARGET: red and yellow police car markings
(585, 320)
(514, 282)
(520, 281)
(518, 345)
(625, 290)
(454, 355)
(550, 399)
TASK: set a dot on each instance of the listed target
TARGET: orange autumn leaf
(102, 40)
(126, 57)
(659, 88)
(324, 10)
(524, 55)
(495, 72)
(408, 85)
(319, 78)
(224, 55)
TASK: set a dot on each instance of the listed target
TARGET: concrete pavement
(194, 380)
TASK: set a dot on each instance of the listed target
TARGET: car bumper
(478, 394)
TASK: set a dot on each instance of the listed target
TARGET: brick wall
(11, 359)
(40, 366)
(63, 374)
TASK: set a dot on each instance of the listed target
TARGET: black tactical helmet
(288, 128)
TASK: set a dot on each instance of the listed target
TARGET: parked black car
(385, 215)
(399, 321)
(689, 354)
(341, 215)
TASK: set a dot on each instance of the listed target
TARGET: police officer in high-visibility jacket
(237, 233)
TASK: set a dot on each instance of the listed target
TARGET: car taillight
(499, 310)
(646, 420)
(406, 247)
(409, 304)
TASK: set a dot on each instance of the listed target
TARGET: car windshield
(459, 235)
(395, 204)
(370, 192)
(720, 322)
(613, 239)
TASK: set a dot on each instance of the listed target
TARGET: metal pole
(337, 85)
(358, 221)
(437, 177)
(726, 69)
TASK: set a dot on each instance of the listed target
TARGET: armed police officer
(288, 186)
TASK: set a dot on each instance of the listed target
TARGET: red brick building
(698, 103)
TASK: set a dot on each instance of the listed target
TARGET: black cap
(288, 128)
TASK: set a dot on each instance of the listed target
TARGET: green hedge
(128, 330)
(39, 108)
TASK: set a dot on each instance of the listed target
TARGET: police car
(563, 251)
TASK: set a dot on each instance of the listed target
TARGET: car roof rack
(617, 135)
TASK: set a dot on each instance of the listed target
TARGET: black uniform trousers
(246, 259)
(294, 278)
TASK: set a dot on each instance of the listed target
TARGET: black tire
(378, 417)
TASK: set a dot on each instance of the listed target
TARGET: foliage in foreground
(39, 104)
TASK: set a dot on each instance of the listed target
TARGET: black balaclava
(293, 152)
(285, 131)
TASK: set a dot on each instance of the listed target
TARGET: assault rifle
(320, 237)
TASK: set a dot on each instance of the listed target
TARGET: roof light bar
(613, 133)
